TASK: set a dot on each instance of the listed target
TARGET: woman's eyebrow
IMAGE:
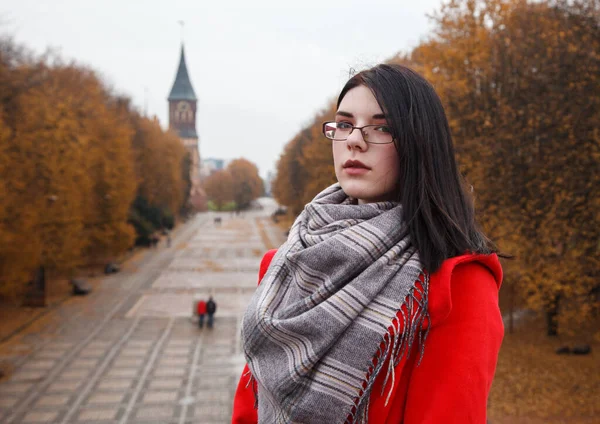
(349, 115)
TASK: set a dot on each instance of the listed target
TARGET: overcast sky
(261, 69)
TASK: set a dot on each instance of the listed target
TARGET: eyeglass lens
(371, 133)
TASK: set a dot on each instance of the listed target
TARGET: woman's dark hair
(436, 204)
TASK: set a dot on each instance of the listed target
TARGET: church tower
(182, 117)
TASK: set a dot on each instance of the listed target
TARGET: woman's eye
(343, 125)
(383, 129)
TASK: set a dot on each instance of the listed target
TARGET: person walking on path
(211, 308)
(201, 308)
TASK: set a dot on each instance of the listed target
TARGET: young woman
(382, 306)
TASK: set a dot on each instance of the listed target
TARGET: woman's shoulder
(478, 275)
(469, 264)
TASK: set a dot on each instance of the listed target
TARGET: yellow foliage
(247, 184)
(68, 169)
(219, 187)
(159, 158)
(525, 128)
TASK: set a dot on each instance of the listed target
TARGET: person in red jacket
(201, 309)
(382, 305)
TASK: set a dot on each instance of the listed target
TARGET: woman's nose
(356, 140)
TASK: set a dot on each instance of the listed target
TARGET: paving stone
(135, 352)
(52, 354)
(140, 343)
(64, 386)
(216, 381)
(166, 383)
(99, 344)
(104, 414)
(60, 345)
(40, 364)
(210, 411)
(84, 363)
(92, 353)
(176, 351)
(219, 350)
(128, 362)
(75, 374)
(106, 398)
(160, 397)
(14, 388)
(40, 417)
(155, 412)
(53, 400)
(212, 370)
(123, 372)
(28, 375)
(174, 361)
(182, 343)
(170, 372)
(7, 402)
(213, 396)
(115, 384)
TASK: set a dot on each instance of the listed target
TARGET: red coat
(452, 383)
(201, 307)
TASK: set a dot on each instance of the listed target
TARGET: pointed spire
(182, 87)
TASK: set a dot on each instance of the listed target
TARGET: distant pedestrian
(168, 240)
(211, 308)
(201, 308)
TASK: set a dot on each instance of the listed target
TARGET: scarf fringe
(252, 381)
(397, 348)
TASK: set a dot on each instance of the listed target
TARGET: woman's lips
(351, 170)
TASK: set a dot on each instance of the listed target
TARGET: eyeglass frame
(355, 128)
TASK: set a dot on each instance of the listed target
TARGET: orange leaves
(520, 82)
(247, 184)
(67, 167)
(159, 158)
(219, 187)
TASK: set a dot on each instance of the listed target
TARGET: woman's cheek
(338, 151)
(388, 172)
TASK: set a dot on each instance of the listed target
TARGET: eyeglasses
(372, 134)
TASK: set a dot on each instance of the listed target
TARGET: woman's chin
(358, 189)
(365, 191)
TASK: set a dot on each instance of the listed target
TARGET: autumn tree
(521, 86)
(159, 157)
(68, 170)
(291, 176)
(219, 188)
(247, 184)
(66, 166)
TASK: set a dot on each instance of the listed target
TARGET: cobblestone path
(130, 352)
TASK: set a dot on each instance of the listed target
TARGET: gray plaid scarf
(324, 307)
